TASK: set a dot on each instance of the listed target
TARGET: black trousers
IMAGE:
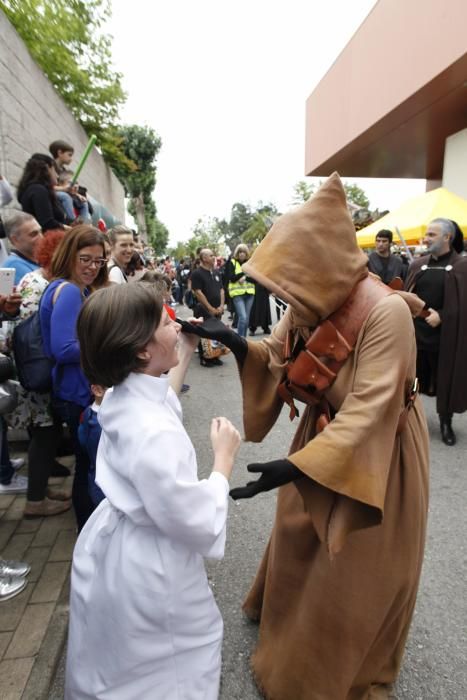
(41, 454)
(427, 373)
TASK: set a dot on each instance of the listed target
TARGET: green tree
(356, 195)
(141, 145)
(262, 220)
(241, 218)
(158, 236)
(179, 251)
(302, 191)
(65, 38)
(207, 233)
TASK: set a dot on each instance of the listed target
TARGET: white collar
(146, 386)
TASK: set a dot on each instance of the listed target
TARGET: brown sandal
(42, 509)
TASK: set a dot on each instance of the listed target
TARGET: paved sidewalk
(33, 625)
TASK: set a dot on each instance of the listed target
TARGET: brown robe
(336, 588)
(452, 367)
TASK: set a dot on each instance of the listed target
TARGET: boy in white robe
(143, 620)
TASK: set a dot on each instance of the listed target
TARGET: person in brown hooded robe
(335, 592)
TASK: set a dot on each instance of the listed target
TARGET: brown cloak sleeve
(261, 374)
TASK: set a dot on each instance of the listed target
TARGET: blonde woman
(241, 287)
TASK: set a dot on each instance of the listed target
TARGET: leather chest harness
(312, 370)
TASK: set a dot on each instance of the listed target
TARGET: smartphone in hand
(7, 281)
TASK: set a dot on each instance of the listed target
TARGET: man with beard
(440, 279)
(336, 589)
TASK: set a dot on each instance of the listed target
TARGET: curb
(47, 660)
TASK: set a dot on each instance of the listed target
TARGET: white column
(455, 163)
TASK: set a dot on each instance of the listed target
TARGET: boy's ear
(98, 390)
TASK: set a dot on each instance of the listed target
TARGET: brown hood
(310, 257)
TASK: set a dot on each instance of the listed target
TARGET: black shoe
(448, 435)
(252, 331)
(205, 363)
(267, 331)
(59, 469)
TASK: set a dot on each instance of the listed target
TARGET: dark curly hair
(47, 246)
(36, 172)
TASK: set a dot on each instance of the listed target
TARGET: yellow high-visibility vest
(238, 288)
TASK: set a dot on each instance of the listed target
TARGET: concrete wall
(32, 114)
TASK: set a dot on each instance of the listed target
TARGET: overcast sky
(224, 84)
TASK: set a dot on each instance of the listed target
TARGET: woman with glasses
(79, 262)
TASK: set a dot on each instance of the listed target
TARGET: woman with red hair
(34, 412)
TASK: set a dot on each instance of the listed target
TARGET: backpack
(189, 299)
(33, 366)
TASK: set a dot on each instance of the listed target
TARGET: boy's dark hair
(114, 325)
(59, 145)
(384, 233)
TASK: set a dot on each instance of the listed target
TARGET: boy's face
(98, 392)
(65, 157)
(65, 180)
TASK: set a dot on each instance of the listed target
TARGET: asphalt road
(435, 665)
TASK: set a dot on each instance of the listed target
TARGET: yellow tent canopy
(413, 217)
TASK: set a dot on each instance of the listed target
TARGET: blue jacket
(58, 326)
(89, 433)
(20, 265)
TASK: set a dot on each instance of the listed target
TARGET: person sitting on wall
(62, 153)
(81, 207)
(36, 192)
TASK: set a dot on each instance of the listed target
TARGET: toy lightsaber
(84, 158)
(402, 240)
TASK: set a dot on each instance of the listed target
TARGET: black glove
(214, 329)
(273, 474)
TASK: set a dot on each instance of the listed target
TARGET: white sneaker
(10, 587)
(17, 463)
(15, 569)
(18, 484)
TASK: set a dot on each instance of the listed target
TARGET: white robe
(143, 621)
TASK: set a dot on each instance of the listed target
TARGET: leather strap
(316, 367)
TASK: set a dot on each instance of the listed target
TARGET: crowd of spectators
(59, 258)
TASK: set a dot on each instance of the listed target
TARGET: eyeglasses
(89, 261)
